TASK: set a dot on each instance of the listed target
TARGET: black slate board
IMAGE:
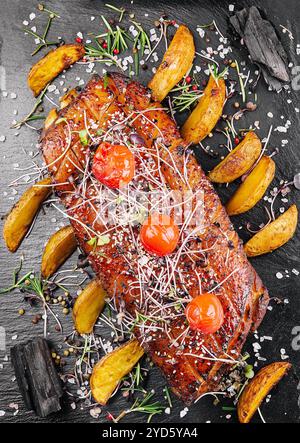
(15, 58)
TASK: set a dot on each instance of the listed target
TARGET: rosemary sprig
(132, 383)
(213, 69)
(143, 406)
(32, 116)
(186, 99)
(108, 45)
(121, 11)
(43, 37)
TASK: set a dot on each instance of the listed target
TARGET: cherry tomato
(205, 313)
(159, 234)
(113, 165)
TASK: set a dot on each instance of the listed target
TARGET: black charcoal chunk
(263, 44)
(37, 377)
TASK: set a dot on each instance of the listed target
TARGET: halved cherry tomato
(159, 234)
(205, 313)
(113, 165)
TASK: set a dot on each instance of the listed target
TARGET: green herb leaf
(83, 135)
(92, 241)
(103, 240)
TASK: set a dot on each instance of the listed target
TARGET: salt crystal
(32, 16)
(183, 413)
(279, 275)
(231, 8)
(2, 138)
(270, 115)
(167, 411)
(297, 181)
(51, 88)
(25, 23)
(2, 413)
(13, 95)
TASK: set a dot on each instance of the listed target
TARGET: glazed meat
(150, 293)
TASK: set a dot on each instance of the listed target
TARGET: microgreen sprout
(42, 38)
(121, 11)
(32, 116)
(168, 396)
(141, 42)
(243, 91)
(213, 69)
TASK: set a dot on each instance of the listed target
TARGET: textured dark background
(15, 58)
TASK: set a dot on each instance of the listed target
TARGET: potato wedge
(51, 117)
(177, 61)
(253, 188)
(274, 235)
(88, 306)
(22, 214)
(110, 370)
(58, 248)
(239, 161)
(258, 388)
(206, 114)
(53, 64)
(66, 99)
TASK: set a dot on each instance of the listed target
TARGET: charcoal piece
(264, 46)
(37, 377)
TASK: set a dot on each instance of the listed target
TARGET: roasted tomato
(159, 234)
(205, 313)
(113, 165)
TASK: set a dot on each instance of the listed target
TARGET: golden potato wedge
(253, 187)
(66, 99)
(88, 306)
(177, 61)
(51, 117)
(258, 388)
(206, 114)
(110, 370)
(239, 161)
(274, 235)
(22, 214)
(53, 64)
(58, 248)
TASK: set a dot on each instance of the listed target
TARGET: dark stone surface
(15, 58)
